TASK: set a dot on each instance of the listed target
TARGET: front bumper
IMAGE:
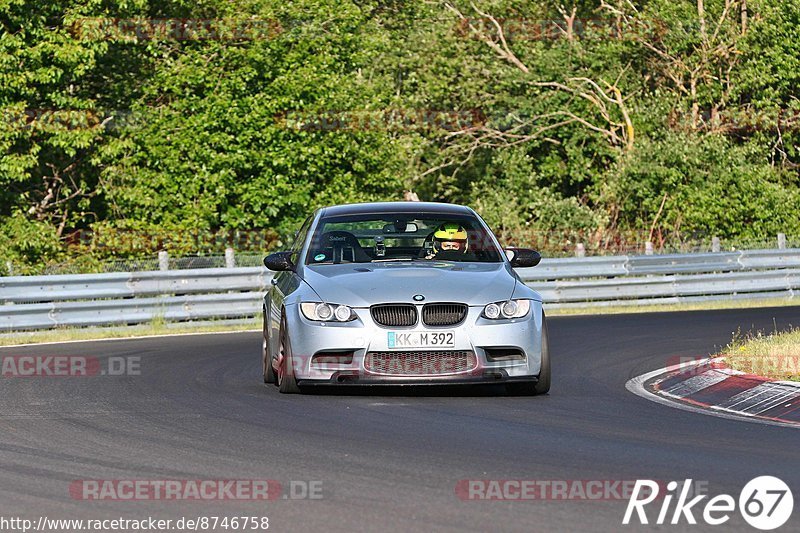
(335, 353)
(346, 378)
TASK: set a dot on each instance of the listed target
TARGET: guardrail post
(580, 250)
(230, 259)
(163, 260)
(648, 248)
(781, 241)
(715, 244)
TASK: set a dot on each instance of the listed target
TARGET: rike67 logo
(765, 503)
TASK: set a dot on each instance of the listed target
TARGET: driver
(449, 239)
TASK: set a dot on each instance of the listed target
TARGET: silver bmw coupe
(405, 293)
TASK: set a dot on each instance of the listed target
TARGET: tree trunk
(744, 16)
(701, 14)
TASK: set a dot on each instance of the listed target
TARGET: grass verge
(776, 356)
(156, 327)
(660, 308)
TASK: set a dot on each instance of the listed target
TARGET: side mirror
(279, 261)
(523, 257)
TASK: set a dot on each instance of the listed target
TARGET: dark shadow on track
(435, 391)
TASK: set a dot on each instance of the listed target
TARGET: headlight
(322, 312)
(492, 311)
(507, 309)
(343, 313)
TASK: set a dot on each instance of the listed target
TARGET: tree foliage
(664, 117)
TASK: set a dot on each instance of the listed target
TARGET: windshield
(370, 238)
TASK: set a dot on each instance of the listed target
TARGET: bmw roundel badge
(418, 297)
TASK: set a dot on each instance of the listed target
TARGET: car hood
(362, 285)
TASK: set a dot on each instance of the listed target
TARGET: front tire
(287, 384)
(266, 357)
(269, 372)
(542, 385)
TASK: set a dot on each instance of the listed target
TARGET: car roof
(395, 207)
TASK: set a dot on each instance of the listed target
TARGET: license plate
(421, 339)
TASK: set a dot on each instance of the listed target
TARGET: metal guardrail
(42, 302)
(22, 289)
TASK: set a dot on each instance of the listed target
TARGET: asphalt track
(388, 460)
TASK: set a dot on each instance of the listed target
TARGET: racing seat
(340, 246)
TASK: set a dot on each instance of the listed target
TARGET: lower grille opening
(420, 363)
(331, 359)
(504, 354)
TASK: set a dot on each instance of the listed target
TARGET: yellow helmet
(450, 236)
